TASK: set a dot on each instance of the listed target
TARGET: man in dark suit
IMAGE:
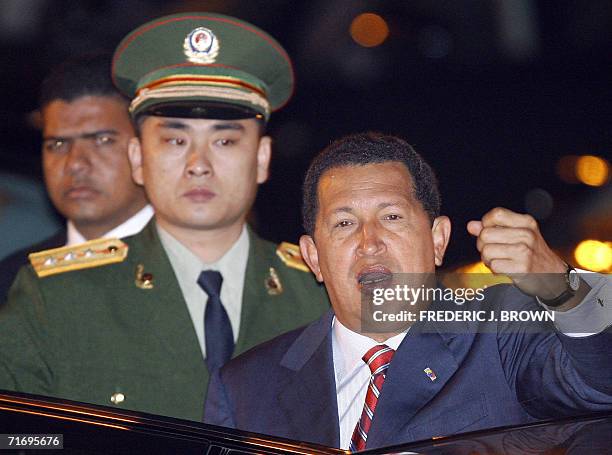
(86, 128)
(355, 380)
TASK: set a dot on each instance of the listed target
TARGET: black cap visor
(202, 109)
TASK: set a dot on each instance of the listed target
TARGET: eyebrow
(342, 210)
(228, 126)
(382, 205)
(86, 135)
(173, 124)
(220, 126)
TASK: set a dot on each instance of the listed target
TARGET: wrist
(571, 286)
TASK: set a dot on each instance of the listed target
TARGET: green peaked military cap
(202, 65)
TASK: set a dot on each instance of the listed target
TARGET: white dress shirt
(352, 374)
(131, 226)
(187, 267)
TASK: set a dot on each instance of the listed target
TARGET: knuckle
(523, 249)
(494, 265)
(528, 237)
(531, 222)
(485, 234)
(486, 250)
(497, 212)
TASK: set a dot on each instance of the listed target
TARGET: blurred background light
(594, 255)
(369, 30)
(566, 168)
(476, 267)
(592, 170)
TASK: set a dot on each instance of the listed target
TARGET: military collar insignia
(143, 279)
(273, 283)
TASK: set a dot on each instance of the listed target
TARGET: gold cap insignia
(291, 256)
(143, 279)
(76, 257)
(273, 283)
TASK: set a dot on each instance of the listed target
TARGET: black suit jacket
(10, 265)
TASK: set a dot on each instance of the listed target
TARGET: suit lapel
(424, 362)
(308, 395)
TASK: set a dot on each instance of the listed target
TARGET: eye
(225, 142)
(393, 217)
(104, 139)
(175, 141)
(56, 145)
(343, 223)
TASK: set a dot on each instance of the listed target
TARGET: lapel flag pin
(430, 374)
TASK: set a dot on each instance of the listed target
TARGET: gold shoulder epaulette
(291, 256)
(76, 257)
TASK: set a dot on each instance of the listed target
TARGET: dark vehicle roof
(97, 429)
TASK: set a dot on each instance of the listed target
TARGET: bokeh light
(592, 170)
(594, 255)
(369, 30)
(566, 168)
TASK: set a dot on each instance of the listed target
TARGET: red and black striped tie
(378, 359)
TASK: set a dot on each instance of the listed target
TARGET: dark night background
(492, 93)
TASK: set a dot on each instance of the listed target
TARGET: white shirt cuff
(594, 314)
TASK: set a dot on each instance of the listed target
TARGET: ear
(441, 231)
(135, 156)
(264, 152)
(311, 255)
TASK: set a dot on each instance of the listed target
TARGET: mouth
(374, 277)
(81, 192)
(199, 195)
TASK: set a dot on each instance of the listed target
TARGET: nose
(79, 158)
(198, 163)
(370, 242)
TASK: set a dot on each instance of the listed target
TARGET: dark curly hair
(369, 148)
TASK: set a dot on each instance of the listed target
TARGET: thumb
(474, 228)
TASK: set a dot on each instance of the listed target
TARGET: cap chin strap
(182, 92)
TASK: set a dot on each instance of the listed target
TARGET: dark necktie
(378, 359)
(217, 327)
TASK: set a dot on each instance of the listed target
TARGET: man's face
(85, 162)
(369, 225)
(200, 174)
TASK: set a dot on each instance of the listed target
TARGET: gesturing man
(140, 324)
(372, 216)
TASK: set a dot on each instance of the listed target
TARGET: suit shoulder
(95, 253)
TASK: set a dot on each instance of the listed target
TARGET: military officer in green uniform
(139, 323)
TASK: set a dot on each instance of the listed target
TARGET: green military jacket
(102, 335)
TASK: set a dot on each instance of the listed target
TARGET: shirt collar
(131, 226)
(188, 266)
(350, 347)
